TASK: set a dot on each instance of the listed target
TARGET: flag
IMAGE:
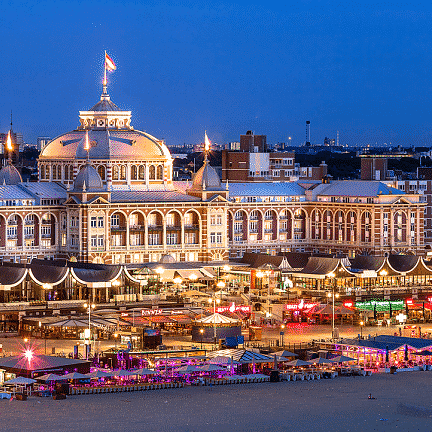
(109, 64)
(207, 143)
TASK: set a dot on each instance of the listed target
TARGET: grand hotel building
(106, 195)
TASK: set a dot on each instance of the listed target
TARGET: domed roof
(105, 144)
(167, 259)
(206, 178)
(88, 179)
(9, 175)
(105, 105)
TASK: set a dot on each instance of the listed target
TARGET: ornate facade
(105, 195)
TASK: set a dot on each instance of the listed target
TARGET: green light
(380, 305)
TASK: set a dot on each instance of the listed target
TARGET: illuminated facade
(105, 195)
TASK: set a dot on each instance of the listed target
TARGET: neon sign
(150, 312)
(301, 305)
(348, 304)
(380, 305)
(234, 308)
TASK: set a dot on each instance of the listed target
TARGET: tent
(285, 354)
(144, 371)
(99, 374)
(189, 369)
(299, 362)
(321, 360)
(342, 359)
(75, 376)
(21, 381)
(123, 373)
(50, 377)
(211, 368)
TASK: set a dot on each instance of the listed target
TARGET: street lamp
(282, 333)
(201, 332)
(177, 281)
(215, 300)
(333, 295)
(89, 308)
(44, 335)
(115, 340)
(361, 328)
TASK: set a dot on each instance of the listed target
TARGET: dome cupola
(88, 180)
(9, 175)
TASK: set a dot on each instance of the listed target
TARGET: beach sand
(403, 402)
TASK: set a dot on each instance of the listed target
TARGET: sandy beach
(402, 402)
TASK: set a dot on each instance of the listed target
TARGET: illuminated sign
(234, 308)
(301, 305)
(348, 304)
(124, 314)
(380, 305)
(150, 312)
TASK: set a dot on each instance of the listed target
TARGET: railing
(190, 227)
(173, 227)
(46, 235)
(268, 230)
(118, 228)
(136, 228)
(155, 227)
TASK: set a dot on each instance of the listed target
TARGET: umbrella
(424, 353)
(144, 371)
(321, 360)
(21, 381)
(341, 359)
(299, 362)
(75, 376)
(281, 359)
(50, 377)
(123, 373)
(223, 360)
(211, 368)
(189, 369)
(286, 354)
(99, 374)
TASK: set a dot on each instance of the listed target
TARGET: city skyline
(226, 69)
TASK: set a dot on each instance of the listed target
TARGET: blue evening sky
(362, 67)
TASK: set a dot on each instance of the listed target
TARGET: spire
(11, 121)
(207, 147)
(87, 145)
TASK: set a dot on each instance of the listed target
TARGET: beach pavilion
(34, 365)
(383, 349)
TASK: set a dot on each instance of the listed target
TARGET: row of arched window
(138, 172)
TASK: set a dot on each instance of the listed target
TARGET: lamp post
(44, 335)
(215, 300)
(282, 333)
(361, 328)
(177, 281)
(201, 332)
(333, 295)
(89, 308)
(115, 340)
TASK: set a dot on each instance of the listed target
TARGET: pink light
(28, 354)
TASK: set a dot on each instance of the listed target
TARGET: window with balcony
(190, 238)
(171, 238)
(154, 239)
(115, 220)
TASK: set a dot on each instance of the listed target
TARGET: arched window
(59, 172)
(66, 171)
(115, 172)
(134, 172)
(54, 172)
(123, 172)
(115, 220)
(71, 174)
(142, 172)
(47, 172)
(159, 172)
(101, 172)
(42, 172)
(152, 172)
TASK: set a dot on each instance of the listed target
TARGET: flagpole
(105, 76)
